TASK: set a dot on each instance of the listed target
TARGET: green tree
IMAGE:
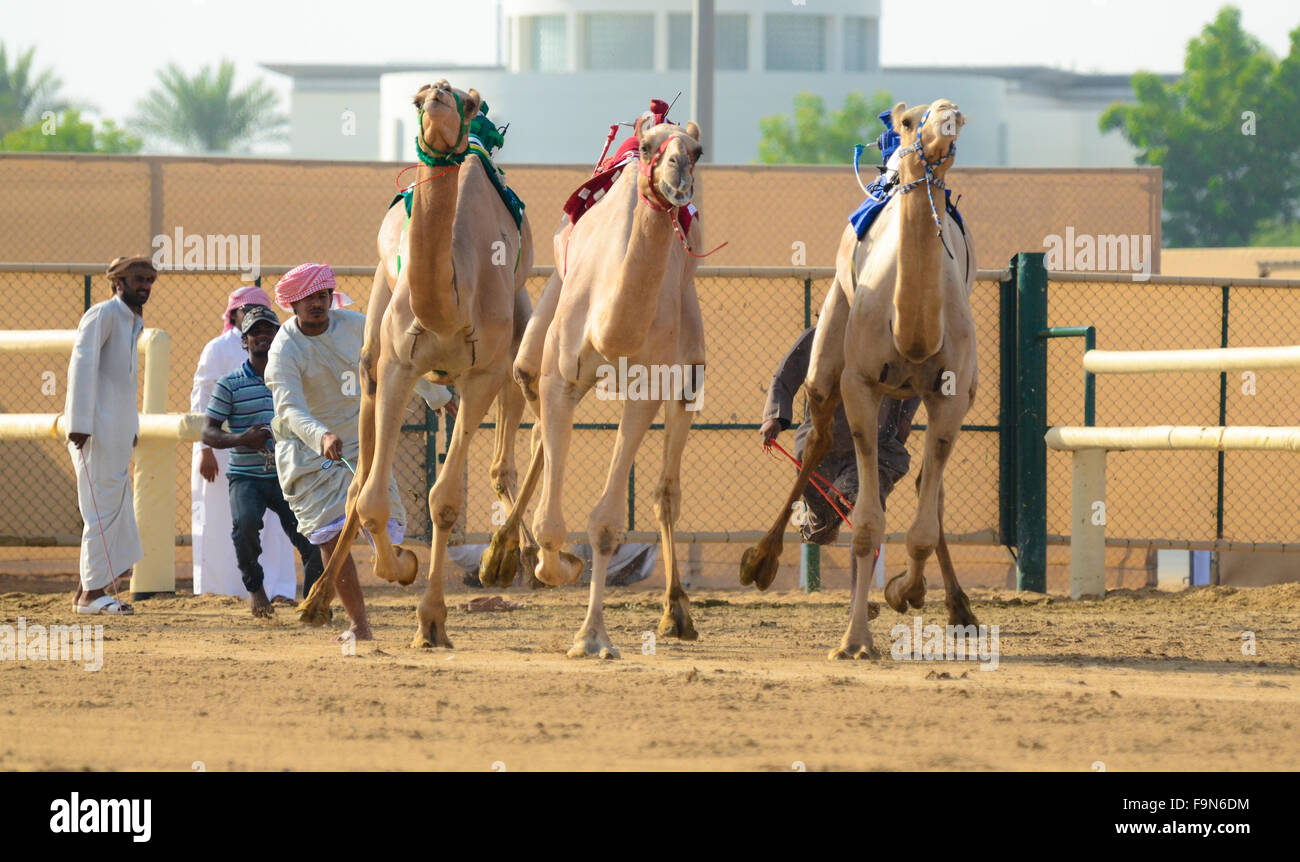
(24, 95)
(812, 136)
(68, 133)
(205, 113)
(1224, 133)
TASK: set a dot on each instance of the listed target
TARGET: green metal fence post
(1007, 411)
(86, 302)
(1031, 423)
(807, 303)
(810, 567)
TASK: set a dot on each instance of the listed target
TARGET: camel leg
(395, 381)
(943, 417)
(500, 561)
(606, 524)
(528, 362)
(477, 391)
(862, 407)
(558, 399)
(676, 621)
(959, 609)
(759, 563)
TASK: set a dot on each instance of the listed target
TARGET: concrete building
(569, 68)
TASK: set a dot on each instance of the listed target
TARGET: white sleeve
(83, 371)
(284, 379)
(205, 378)
(434, 394)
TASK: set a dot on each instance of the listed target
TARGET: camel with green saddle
(448, 303)
(896, 322)
(624, 288)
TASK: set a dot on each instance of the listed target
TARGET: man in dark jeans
(840, 463)
(242, 401)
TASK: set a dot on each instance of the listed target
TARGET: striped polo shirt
(241, 400)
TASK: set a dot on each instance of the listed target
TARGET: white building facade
(569, 68)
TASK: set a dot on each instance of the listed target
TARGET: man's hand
(331, 446)
(207, 465)
(770, 429)
(78, 439)
(256, 437)
(904, 429)
(451, 408)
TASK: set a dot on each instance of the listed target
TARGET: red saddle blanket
(586, 195)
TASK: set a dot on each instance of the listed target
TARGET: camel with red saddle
(448, 303)
(896, 322)
(624, 289)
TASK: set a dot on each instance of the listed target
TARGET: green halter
(433, 158)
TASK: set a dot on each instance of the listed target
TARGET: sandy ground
(1146, 680)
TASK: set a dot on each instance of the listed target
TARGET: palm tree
(206, 114)
(23, 97)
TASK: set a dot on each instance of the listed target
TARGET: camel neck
(431, 269)
(918, 306)
(640, 279)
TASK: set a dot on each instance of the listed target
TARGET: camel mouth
(678, 196)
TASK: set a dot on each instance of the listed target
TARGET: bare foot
(260, 605)
(357, 632)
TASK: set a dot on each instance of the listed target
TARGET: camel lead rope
(813, 477)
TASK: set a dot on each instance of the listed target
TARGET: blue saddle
(879, 193)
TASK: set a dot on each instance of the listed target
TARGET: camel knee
(373, 507)
(443, 514)
(550, 533)
(923, 538)
(603, 537)
(869, 532)
(667, 501)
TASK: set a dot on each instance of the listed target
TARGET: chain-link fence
(751, 318)
(1178, 496)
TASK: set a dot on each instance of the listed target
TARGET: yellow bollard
(155, 479)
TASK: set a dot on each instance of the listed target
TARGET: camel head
(668, 154)
(445, 115)
(939, 122)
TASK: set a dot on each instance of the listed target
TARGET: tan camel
(896, 322)
(453, 310)
(628, 293)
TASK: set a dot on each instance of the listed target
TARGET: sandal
(106, 605)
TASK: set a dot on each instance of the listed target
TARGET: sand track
(1145, 680)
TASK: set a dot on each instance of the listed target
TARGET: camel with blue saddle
(896, 322)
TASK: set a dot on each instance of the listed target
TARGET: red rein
(814, 478)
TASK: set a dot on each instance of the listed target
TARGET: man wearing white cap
(313, 375)
(215, 568)
(102, 421)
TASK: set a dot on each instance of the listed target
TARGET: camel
(896, 322)
(448, 303)
(624, 288)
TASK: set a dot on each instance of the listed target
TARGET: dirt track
(1144, 681)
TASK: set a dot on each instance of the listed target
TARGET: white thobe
(101, 402)
(215, 568)
(316, 387)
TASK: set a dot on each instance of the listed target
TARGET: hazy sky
(107, 52)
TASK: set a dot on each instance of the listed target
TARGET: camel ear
(896, 115)
(692, 129)
(421, 96)
(472, 102)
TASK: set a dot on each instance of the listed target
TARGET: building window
(861, 40)
(547, 41)
(796, 43)
(730, 42)
(616, 41)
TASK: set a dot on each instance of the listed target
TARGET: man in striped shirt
(242, 401)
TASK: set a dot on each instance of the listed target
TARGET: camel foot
(588, 643)
(568, 570)
(758, 566)
(498, 564)
(852, 648)
(676, 621)
(899, 599)
(430, 636)
(408, 566)
(314, 610)
(959, 611)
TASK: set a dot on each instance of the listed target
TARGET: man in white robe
(313, 375)
(103, 424)
(215, 568)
